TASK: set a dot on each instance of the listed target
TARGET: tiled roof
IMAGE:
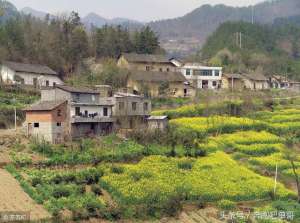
(256, 77)
(157, 118)
(148, 58)
(83, 90)
(45, 105)
(234, 76)
(153, 76)
(122, 95)
(29, 68)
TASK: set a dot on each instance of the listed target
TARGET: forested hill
(201, 22)
(7, 11)
(274, 48)
(63, 43)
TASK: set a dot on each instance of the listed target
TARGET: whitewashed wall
(7, 76)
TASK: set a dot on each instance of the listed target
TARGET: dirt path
(14, 199)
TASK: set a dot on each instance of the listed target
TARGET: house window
(134, 106)
(105, 112)
(168, 69)
(47, 84)
(188, 72)
(160, 69)
(54, 84)
(77, 111)
(77, 97)
(121, 105)
(58, 112)
(145, 106)
(36, 125)
(214, 83)
(58, 124)
(217, 73)
(206, 72)
(148, 68)
(93, 98)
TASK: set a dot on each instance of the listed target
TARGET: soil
(14, 199)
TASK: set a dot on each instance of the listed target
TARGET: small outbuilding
(158, 123)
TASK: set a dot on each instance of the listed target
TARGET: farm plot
(248, 142)
(160, 179)
(58, 190)
(202, 126)
(13, 198)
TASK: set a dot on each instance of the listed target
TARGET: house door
(35, 82)
(205, 84)
(185, 92)
(93, 128)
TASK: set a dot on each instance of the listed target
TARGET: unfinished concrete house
(88, 114)
(130, 110)
(47, 120)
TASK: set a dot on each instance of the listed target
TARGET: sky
(142, 10)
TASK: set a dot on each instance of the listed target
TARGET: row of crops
(160, 179)
(148, 180)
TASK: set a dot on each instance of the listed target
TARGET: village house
(131, 110)
(294, 85)
(253, 81)
(48, 120)
(87, 113)
(157, 84)
(29, 74)
(146, 62)
(233, 81)
(279, 82)
(202, 77)
(157, 123)
(256, 81)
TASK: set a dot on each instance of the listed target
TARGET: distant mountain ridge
(92, 19)
(203, 21)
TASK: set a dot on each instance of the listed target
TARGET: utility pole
(275, 183)
(15, 113)
(240, 40)
(15, 118)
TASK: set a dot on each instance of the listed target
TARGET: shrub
(185, 165)
(117, 169)
(96, 189)
(226, 205)
(61, 191)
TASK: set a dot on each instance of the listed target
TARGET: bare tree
(291, 155)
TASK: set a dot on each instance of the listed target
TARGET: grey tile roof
(148, 58)
(153, 76)
(29, 68)
(256, 77)
(234, 76)
(45, 105)
(83, 90)
(122, 95)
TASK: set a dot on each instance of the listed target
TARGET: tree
(146, 41)
(291, 155)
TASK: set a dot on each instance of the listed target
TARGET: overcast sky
(143, 10)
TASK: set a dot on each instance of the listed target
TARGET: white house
(29, 74)
(202, 77)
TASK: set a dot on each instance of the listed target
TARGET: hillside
(275, 49)
(196, 26)
(7, 10)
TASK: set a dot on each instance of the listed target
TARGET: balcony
(91, 119)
